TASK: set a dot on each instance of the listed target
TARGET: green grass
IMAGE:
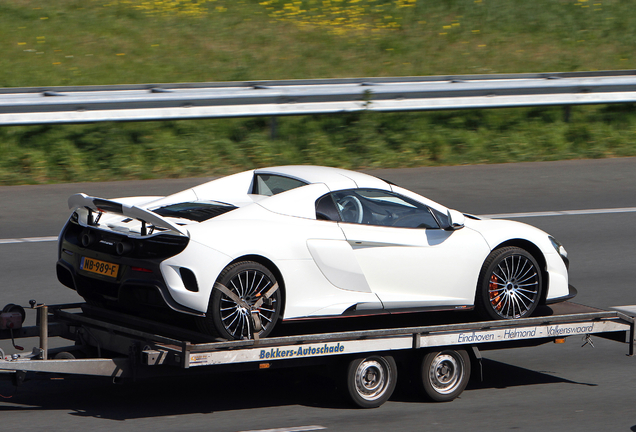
(204, 147)
(82, 42)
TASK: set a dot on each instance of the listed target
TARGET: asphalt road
(552, 387)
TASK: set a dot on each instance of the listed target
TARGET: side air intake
(189, 280)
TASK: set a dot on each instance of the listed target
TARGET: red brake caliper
(495, 296)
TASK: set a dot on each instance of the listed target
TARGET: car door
(406, 258)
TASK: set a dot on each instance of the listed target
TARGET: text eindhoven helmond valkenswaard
(550, 331)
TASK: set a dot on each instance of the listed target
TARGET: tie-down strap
(254, 309)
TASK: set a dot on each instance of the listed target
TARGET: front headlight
(561, 250)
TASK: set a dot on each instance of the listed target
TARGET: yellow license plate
(99, 267)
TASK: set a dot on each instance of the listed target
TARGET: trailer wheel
(445, 374)
(371, 380)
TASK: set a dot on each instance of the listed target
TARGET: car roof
(235, 189)
(334, 178)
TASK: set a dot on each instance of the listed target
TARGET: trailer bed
(129, 342)
(442, 355)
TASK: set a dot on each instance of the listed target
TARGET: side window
(378, 207)
(265, 184)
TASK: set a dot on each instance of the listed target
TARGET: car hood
(496, 231)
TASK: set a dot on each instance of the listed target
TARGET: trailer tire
(371, 380)
(445, 374)
(64, 355)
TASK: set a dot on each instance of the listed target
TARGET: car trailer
(440, 357)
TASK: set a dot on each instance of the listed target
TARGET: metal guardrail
(56, 105)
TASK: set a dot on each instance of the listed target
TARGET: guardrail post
(566, 113)
(273, 128)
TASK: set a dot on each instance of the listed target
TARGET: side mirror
(455, 220)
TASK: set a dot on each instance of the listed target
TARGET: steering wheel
(351, 209)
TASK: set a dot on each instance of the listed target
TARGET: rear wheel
(509, 286)
(226, 318)
(371, 380)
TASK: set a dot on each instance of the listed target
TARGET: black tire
(226, 319)
(64, 355)
(371, 380)
(445, 374)
(510, 285)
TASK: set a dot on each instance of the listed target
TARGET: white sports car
(246, 251)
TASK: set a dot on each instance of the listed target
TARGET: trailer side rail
(618, 325)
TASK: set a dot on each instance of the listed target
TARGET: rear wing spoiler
(100, 205)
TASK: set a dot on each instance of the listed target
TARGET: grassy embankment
(80, 42)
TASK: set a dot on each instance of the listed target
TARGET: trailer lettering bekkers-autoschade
(444, 354)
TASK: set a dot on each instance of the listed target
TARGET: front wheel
(509, 286)
(226, 318)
